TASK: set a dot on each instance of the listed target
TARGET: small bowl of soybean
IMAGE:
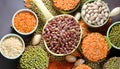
(25, 21)
(113, 35)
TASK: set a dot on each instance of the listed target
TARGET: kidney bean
(62, 34)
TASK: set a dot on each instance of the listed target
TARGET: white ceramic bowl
(12, 35)
(22, 10)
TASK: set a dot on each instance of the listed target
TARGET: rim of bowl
(79, 37)
(12, 35)
(22, 10)
(93, 26)
(118, 22)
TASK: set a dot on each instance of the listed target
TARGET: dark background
(7, 10)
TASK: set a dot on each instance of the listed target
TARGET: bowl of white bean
(95, 13)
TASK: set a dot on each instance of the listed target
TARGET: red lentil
(94, 47)
(25, 22)
(65, 4)
(83, 66)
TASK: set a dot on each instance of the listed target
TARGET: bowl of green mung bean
(113, 35)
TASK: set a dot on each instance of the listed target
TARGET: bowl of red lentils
(25, 21)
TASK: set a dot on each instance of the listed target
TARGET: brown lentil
(62, 34)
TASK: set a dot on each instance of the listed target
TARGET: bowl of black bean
(113, 35)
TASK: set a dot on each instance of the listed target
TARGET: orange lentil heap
(25, 22)
(65, 4)
(83, 66)
(94, 47)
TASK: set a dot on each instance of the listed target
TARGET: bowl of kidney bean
(95, 13)
(62, 35)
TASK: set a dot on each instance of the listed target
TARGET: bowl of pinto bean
(62, 35)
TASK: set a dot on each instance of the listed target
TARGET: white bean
(100, 16)
(90, 11)
(97, 19)
(99, 4)
(92, 18)
(86, 10)
(89, 8)
(100, 9)
(91, 14)
(96, 11)
(85, 7)
(95, 15)
(70, 58)
(79, 61)
(106, 14)
(95, 7)
(103, 13)
(36, 39)
(87, 15)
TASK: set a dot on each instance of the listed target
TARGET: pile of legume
(65, 4)
(114, 35)
(94, 47)
(25, 22)
(62, 34)
(95, 13)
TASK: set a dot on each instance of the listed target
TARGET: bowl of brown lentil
(12, 46)
(25, 21)
(113, 35)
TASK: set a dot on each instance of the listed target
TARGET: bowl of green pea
(113, 35)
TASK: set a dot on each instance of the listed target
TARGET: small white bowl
(12, 35)
(22, 10)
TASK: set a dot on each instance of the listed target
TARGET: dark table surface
(7, 10)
